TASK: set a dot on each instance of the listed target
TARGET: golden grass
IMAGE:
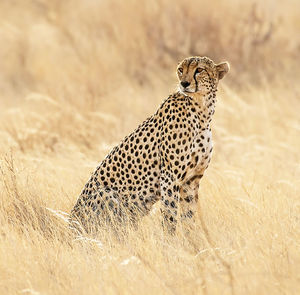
(77, 76)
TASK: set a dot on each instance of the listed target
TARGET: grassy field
(77, 76)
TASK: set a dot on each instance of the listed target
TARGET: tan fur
(163, 159)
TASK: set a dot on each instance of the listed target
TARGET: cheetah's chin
(186, 92)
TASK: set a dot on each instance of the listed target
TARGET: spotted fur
(162, 159)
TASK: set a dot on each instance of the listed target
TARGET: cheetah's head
(200, 75)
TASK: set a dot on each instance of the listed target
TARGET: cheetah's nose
(185, 84)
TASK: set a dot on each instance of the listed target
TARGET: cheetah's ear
(222, 69)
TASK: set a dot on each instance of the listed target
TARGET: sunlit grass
(77, 76)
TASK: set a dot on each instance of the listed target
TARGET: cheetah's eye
(198, 70)
(180, 70)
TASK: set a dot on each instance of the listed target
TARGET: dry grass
(77, 76)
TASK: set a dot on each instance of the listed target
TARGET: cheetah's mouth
(186, 90)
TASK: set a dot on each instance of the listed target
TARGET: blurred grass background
(77, 76)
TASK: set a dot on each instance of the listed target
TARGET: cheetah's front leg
(169, 199)
(189, 197)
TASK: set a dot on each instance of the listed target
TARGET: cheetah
(163, 159)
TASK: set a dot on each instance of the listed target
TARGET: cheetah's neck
(205, 106)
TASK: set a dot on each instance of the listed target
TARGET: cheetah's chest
(202, 149)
